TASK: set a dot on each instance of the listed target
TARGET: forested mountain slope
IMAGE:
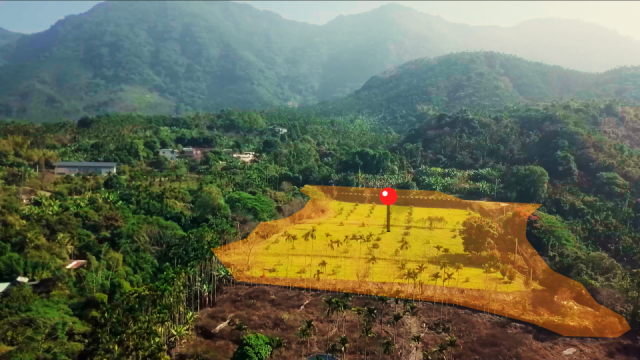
(7, 37)
(180, 57)
(149, 56)
(478, 80)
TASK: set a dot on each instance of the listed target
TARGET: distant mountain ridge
(478, 80)
(176, 57)
(7, 37)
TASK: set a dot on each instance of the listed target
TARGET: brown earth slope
(275, 311)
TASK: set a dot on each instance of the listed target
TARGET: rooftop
(75, 264)
(82, 163)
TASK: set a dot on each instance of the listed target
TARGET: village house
(4, 286)
(44, 284)
(71, 168)
(277, 129)
(169, 153)
(75, 264)
(189, 152)
(194, 152)
(247, 157)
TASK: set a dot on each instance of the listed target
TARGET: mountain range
(479, 80)
(7, 37)
(177, 57)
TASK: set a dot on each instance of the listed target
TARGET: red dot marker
(388, 196)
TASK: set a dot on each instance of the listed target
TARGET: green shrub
(258, 207)
(254, 346)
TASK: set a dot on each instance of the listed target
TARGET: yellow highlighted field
(339, 242)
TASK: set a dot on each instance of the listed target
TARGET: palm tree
(290, 238)
(404, 244)
(448, 277)
(306, 331)
(330, 245)
(445, 251)
(323, 264)
(411, 308)
(435, 276)
(332, 307)
(345, 305)
(276, 343)
(402, 266)
(304, 334)
(397, 317)
(451, 342)
(309, 325)
(416, 339)
(343, 341)
(438, 247)
(388, 347)
(372, 260)
(359, 312)
(419, 271)
(442, 348)
(408, 275)
(458, 267)
(367, 332)
(421, 268)
(370, 236)
(426, 355)
(240, 326)
(370, 314)
(444, 265)
(67, 243)
(317, 274)
(383, 302)
(306, 236)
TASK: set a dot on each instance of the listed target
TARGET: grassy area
(353, 244)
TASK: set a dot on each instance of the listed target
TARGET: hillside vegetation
(478, 80)
(181, 57)
(147, 232)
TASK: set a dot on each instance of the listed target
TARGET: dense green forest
(147, 231)
(181, 57)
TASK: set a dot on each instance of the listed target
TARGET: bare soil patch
(275, 311)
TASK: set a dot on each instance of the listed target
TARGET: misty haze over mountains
(172, 57)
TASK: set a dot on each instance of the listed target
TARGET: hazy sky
(33, 16)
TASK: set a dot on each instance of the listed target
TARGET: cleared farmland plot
(339, 242)
(352, 244)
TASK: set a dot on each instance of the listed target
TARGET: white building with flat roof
(72, 167)
(246, 156)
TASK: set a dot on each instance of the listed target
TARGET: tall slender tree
(416, 339)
